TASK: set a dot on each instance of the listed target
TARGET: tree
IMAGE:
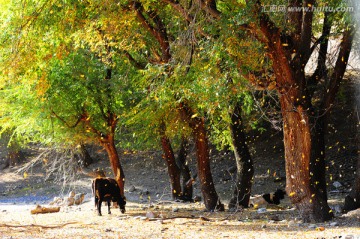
(79, 84)
(289, 47)
(156, 28)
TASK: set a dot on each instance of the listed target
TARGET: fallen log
(39, 209)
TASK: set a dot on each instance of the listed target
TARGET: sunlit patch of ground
(169, 220)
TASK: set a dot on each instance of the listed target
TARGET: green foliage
(56, 55)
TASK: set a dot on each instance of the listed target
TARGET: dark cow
(274, 198)
(107, 189)
(268, 198)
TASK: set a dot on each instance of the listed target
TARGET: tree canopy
(129, 72)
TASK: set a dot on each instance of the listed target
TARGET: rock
(334, 224)
(79, 198)
(69, 201)
(337, 209)
(293, 223)
(263, 226)
(175, 209)
(150, 214)
(71, 194)
(57, 201)
(132, 189)
(337, 184)
(261, 210)
(312, 226)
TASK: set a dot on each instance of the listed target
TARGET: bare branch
(66, 123)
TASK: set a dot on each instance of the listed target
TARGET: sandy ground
(167, 220)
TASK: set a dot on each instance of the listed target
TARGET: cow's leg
(109, 201)
(99, 206)
(96, 201)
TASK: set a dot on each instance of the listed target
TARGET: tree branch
(138, 65)
(159, 32)
(321, 70)
(183, 12)
(306, 33)
(340, 67)
(295, 18)
(209, 6)
(80, 118)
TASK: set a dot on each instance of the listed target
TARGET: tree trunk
(187, 188)
(109, 144)
(173, 169)
(352, 201)
(197, 124)
(297, 140)
(244, 163)
(317, 162)
(84, 157)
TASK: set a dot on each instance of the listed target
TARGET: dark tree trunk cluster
(244, 162)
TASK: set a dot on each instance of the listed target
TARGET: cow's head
(122, 203)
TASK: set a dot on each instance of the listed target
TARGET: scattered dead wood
(37, 225)
(201, 218)
(39, 209)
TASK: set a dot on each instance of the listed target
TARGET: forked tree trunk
(302, 169)
(197, 124)
(173, 169)
(244, 162)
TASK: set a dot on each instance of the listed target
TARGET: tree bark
(197, 124)
(305, 176)
(173, 169)
(352, 201)
(244, 162)
(187, 188)
(108, 143)
(297, 140)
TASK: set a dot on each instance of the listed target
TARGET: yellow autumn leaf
(25, 175)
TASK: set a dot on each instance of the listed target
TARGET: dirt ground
(150, 211)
